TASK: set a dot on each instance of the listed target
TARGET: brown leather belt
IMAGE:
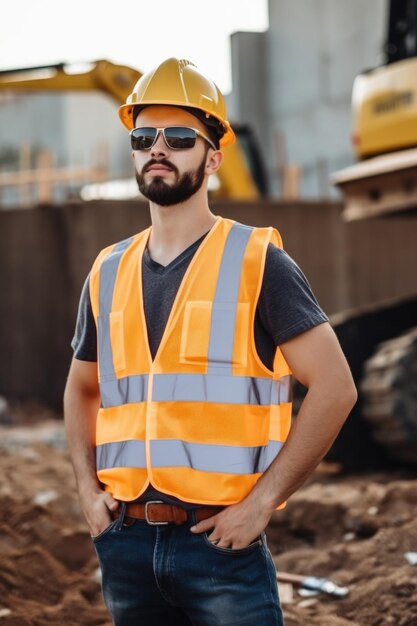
(156, 512)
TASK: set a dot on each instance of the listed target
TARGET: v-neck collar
(157, 268)
(174, 311)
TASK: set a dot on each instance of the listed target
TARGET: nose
(159, 147)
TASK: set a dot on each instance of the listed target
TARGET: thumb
(111, 503)
(204, 525)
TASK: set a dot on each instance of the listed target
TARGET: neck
(176, 227)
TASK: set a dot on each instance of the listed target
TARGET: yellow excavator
(384, 137)
(381, 342)
(242, 175)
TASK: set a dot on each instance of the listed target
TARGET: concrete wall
(248, 100)
(46, 253)
(310, 56)
(34, 121)
(92, 123)
(76, 128)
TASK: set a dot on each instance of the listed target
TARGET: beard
(185, 185)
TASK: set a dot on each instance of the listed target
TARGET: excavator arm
(115, 80)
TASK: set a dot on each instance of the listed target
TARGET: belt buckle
(146, 513)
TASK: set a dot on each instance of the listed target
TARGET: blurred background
(322, 95)
(287, 69)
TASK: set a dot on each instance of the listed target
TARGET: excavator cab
(402, 31)
(384, 110)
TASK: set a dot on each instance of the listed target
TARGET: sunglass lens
(142, 138)
(180, 137)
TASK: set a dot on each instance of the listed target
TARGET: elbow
(353, 397)
(349, 395)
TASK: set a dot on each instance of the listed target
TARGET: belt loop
(121, 516)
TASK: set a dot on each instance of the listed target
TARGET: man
(186, 338)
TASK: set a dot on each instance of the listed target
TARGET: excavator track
(389, 394)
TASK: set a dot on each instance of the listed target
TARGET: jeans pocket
(256, 543)
(104, 532)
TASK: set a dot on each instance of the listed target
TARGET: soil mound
(353, 530)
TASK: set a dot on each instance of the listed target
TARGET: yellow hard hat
(179, 83)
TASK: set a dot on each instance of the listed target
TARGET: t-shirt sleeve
(84, 342)
(287, 305)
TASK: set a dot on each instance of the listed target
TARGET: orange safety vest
(206, 417)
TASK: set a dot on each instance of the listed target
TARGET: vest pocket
(195, 333)
(111, 343)
(222, 329)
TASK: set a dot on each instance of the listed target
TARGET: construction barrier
(46, 252)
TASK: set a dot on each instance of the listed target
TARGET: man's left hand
(236, 526)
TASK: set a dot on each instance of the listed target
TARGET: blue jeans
(168, 576)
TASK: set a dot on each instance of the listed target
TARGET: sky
(137, 33)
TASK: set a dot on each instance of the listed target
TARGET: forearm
(316, 360)
(80, 411)
(316, 426)
(81, 403)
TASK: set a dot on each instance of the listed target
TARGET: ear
(214, 161)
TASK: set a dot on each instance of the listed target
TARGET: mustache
(164, 162)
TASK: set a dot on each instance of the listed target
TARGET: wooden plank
(24, 164)
(58, 175)
(44, 163)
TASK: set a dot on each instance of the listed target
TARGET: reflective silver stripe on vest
(213, 458)
(222, 389)
(121, 454)
(223, 316)
(125, 390)
(196, 388)
(198, 456)
(108, 272)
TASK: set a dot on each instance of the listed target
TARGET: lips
(158, 168)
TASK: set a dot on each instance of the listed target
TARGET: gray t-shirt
(286, 308)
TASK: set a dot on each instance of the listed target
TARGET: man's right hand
(97, 509)
(81, 404)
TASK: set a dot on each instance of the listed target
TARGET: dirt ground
(353, 530)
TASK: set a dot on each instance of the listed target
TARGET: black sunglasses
(175, 137)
